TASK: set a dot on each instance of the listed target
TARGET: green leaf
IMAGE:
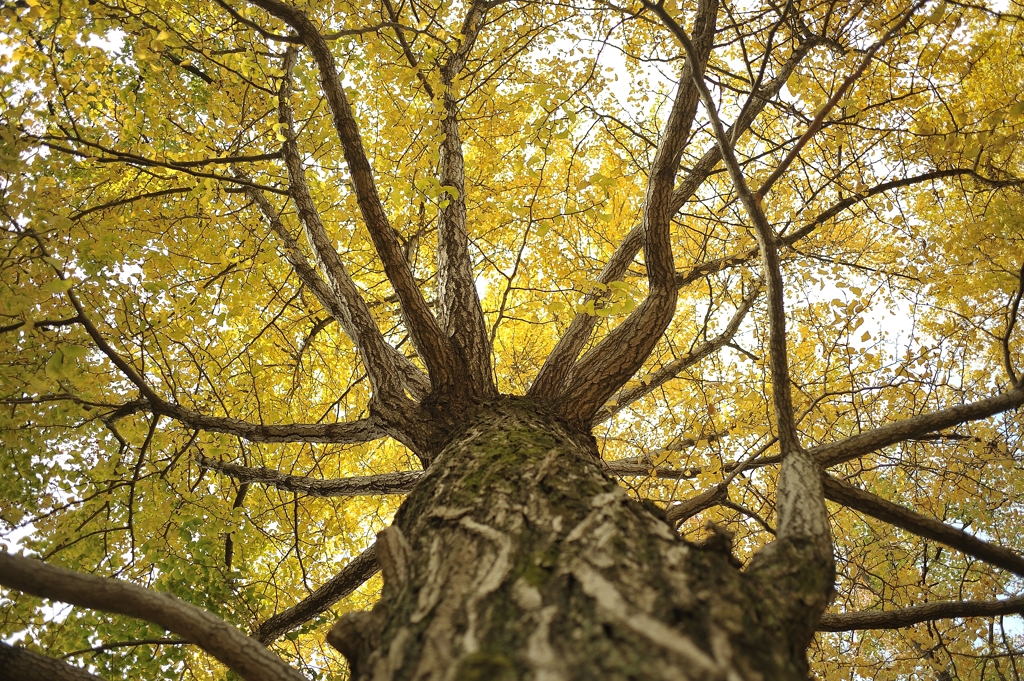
(557, 307)
(56, 366)
(56, 286)
(936, 16)
(586, 308)
(75, 351)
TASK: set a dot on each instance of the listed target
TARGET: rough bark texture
(517, 557)
(18, 664)
(243, 655)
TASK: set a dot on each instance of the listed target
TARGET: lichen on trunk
(516, 557)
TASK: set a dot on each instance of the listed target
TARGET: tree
(281, 276)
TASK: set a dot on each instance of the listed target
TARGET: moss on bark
(517, 558)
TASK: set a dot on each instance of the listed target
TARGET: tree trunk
(516, 557)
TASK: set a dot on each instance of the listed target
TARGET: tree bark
(517, 557)
(19, 664)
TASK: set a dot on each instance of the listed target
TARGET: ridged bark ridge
(517, 557)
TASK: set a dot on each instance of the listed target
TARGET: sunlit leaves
(119, 117)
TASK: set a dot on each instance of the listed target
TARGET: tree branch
(41, 324)
(426, 334)
(407, 48)
(686, 509)
(114, 645)
(387, 483)
(801, 506)
(352, 432)
(607, 366)
(352, 576)
(1005, 340)
(778, 364)
(915, 614)
(378, 356)
(459, 312)
(561, 359)
(19, 664)
(870, 504)
(412, 378)
(129, 199)
(674, 368)
(391, 483)
(186, 167)
(243, 655)
(873, 440)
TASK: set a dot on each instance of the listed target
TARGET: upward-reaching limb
(378, 356)
(558, 364)
(458, 305)
(799, 567)
(355, 326)
(426, 334)
(603, 370)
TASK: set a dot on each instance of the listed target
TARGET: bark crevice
(517, 557)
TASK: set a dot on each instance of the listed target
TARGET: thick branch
(677, 366)
(360, 569)
(424, 330)
(353, 432)
(607, 366)
(378, 356)
(560, 361)
(772, 272)
(244, 655)
(915, 614)
(413, 379)
(870, 504)
(1014, 310)
(686, 509)
(19, 664)
(458, 305)
(388, 483)
(801, 507)
(873, 440)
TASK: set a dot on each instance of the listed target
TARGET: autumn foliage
(225, 302)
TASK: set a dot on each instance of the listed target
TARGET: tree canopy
(258, 258)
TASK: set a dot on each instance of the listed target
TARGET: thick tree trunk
(516, 557)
